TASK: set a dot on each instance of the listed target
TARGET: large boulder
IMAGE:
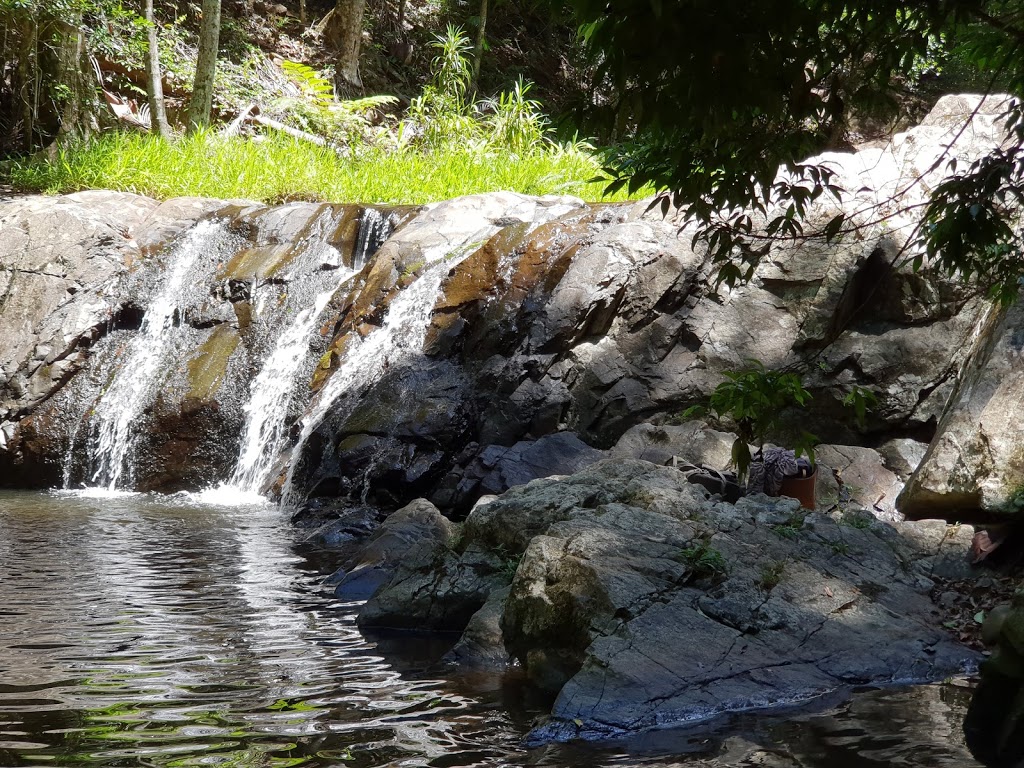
(495, 468)
(693, 442)
(642, 603)
(409, 538)
(976, 461)
(865, 480)
(598, 319)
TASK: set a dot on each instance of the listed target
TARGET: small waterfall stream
(138, 377)
(374, 229)
(271, 393)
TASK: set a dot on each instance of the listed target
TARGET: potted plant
(754, 398)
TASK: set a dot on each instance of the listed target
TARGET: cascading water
(271, 393)
(138, 377)
(401, 335)
(270, 396)
(310, 276)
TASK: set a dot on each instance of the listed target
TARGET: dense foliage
(446, 146)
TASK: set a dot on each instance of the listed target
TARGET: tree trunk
(481, 39)
(154, 83)
(348, 15)
(206, 67)
(27, 76)
(78, 112)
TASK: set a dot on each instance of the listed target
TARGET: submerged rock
(407, 538)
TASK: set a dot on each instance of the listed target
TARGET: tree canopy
(721, 93)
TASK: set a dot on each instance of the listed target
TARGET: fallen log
(278, 126)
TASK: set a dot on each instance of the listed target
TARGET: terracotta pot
(802, 489)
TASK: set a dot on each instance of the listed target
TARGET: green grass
(771, 575)
(281, 168)
(703, 560)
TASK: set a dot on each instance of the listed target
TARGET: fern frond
(314, 85)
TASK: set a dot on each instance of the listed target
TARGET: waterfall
(139, 376)
(271, 394)
(266, 411)
(117, 417)
(367, 358)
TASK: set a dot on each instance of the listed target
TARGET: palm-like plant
(754, 398)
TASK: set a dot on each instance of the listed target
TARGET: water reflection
(155, 631)
(151, 631)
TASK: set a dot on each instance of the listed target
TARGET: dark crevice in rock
(857, 296)
(127, 317)
(37, 272)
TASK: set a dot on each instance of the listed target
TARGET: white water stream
(374, 229)
(139, 376)
(272, 390)
(271, 394)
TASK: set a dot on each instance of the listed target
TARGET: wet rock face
(642, 603)
(56, 256)
(80, 274)
(392, 432)
(400, 435)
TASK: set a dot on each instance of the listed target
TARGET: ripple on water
(141, 630)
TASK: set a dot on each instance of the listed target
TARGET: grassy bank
(279, 167)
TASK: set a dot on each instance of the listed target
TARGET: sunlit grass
(278, 168)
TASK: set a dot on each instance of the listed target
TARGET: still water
(160, 631)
